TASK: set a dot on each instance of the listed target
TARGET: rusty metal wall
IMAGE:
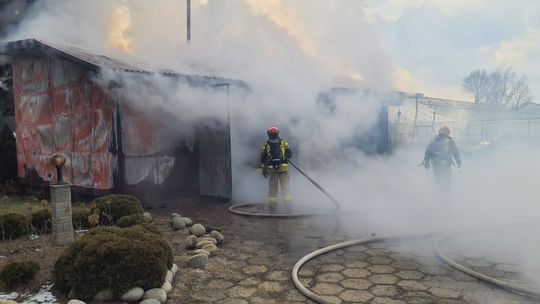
(58, 109)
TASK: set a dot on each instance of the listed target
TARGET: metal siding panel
(215, 162)
(61, 120)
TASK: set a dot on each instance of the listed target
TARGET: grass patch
(27, 205)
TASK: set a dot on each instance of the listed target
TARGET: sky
(436, 43)
(425, 46)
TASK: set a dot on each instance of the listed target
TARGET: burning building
(112, 145)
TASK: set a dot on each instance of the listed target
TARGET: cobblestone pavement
(254, 265)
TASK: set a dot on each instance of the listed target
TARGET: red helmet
(272, 131)
(444, 130)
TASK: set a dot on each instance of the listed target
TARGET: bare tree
(476, 84)
(499, 88)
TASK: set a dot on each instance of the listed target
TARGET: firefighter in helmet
(441, 154)
(274, 154)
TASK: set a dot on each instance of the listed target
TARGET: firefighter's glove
(259, 170)
(265, 173)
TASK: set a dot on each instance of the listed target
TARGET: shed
(112, 145)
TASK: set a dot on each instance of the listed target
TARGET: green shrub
(151, 228)
(113, 257)
(12, 226)
(18, 273)
(42, 221)
(80, 218)
(130, 220)
(112, 207)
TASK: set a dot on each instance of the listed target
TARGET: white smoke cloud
(289, 52)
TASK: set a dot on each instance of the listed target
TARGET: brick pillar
(62, 224)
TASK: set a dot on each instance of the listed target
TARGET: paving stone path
(255, 262)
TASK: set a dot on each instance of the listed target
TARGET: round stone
(197, 261)
(201, 244)
(217, 236)
(147, 217)
(104, 295)
(150, 301)
(156, 294)
(199, 251)
(198, 230)
(187, 221)
(178, 224)
(191, 242)
(174, 269)
(169, 276)
(211, 248)
(74, 301)
(208, 239)
(167, 286)
(134, 294)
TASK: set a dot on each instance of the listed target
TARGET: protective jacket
(274, 155)
(442, 151)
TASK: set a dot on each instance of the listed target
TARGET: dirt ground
(253, 266)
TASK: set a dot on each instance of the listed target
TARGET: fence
(471, 133)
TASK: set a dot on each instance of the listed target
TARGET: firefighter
(274, 155)
(441, 154)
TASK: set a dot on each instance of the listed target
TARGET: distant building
(111, 145)
(417, 120)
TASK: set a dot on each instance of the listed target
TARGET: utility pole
(188, 20)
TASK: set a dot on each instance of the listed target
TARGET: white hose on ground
(478, 275)
(234, 209)
(320, 299)
(310, 294)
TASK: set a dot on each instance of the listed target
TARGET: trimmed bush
(18, 273)
(42, 221)
(12, 226)
(130, 220)
(112, 207)
(80, 218)
(151, 228)
(113, 257)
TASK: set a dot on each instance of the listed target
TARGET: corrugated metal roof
(101, 61)
(448, 111)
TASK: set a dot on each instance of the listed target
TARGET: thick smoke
(289, 52)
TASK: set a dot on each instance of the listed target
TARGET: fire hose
(235, 208)
(320, 299)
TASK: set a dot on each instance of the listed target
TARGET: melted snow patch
(44, 296)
